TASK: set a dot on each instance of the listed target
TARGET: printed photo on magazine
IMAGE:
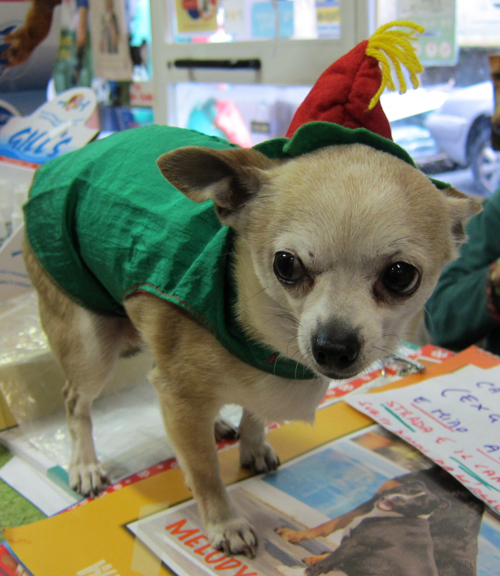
(365, 504)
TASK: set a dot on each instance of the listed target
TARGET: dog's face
(410, 500)
(347, 244)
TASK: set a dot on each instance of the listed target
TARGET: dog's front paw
(235, 536)
(310, 560)
(87, 479)
(289, 535)
(259, 458)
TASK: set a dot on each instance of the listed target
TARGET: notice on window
(437, 46)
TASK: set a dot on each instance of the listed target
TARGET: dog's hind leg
(93, 346)
(224, 430)
(256, 453)
(86, 346)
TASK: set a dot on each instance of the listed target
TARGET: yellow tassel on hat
(396, 46)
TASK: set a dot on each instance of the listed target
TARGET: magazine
(365, 501)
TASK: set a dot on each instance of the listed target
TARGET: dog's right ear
(231, 178)
(462, 208)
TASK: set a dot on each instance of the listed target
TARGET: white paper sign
(452, 419)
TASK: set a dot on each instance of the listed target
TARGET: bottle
(5, 209)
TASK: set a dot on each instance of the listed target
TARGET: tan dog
(335, 252)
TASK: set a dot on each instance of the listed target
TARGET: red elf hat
(348, 92)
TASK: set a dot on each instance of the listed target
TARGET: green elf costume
(105, 224)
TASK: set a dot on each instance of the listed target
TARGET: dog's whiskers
(256, 294)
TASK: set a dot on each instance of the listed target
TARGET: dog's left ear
(462, 209)
(231, 178)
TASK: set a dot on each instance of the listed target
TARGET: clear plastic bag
(128, 427)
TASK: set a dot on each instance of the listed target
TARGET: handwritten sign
(453, 419)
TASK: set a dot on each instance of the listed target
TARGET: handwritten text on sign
(452, 419)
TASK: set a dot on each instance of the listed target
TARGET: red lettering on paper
(364, 403)
(201, 551)
(419, 423)
(440, 440)
(176, 529)
(196, 540)
(443, 465)
(210, 557)
(492, 474)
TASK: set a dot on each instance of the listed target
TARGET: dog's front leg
(256, 453)
(189, 421)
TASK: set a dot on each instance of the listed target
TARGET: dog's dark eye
(401, 278)
(288, 267)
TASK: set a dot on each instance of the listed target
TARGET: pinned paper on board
(452, 419)
(196, 16)
(110, 40)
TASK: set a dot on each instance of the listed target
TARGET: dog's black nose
(335, 348)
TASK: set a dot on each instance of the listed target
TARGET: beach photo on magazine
(365, 504)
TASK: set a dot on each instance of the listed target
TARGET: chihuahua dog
(334, 252)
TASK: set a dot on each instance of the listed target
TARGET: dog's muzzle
(335, 349)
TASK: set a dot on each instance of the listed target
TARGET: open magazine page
(363, 503)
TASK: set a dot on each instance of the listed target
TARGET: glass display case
(248, 43)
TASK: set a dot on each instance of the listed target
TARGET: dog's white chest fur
(276, 399)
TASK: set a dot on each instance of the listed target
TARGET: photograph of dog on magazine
(365, 505)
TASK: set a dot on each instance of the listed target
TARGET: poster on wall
(437, 46)
(110, 44)
(264, 15)
(328, 18)
(74, 58)
(195, 16)
(28, 45)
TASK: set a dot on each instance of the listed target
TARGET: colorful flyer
(196, 16)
